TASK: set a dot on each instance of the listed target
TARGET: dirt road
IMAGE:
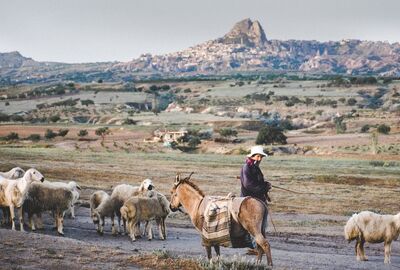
(83, 248)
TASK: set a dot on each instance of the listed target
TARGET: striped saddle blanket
(221, 226)
(217, 222)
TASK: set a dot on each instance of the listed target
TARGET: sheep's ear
(78, 187)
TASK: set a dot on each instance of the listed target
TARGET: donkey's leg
(208, 250)
(217, 251)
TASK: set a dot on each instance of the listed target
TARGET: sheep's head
(95, 217)
(74, 186)
(147, 184)
(17, 172)
(34, 175)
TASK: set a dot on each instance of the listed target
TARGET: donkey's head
(175, 203)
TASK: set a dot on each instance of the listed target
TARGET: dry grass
(330, 185)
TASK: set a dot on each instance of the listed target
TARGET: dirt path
(83, 248)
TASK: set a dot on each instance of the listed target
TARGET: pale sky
(77, 31)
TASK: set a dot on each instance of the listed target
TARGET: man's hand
(269, 186)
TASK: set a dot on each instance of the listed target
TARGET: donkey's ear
(177, 178)
(190, 175)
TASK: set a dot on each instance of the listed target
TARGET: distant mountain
(244, 48)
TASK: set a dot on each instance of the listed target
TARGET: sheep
(369, 227)
(47, 197)
(101, 206)
(12, 193)
(124, 192)
(14, 173)
(74, 187)
(136, 209)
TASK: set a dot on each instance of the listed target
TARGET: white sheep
(42, 197)
(142, 208)
(12, 193)
(74, 188)
(124, 192)
(14, 173)
(102, 206)
(369, 227)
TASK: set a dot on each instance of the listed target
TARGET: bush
(34, 137)
(384, 129)
(194, 141)
(269, 135)
(49, 134)
(12, 136)
(63, 132)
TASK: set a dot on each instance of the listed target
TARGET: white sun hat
(258, 149)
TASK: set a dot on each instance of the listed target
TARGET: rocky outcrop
(246, 33)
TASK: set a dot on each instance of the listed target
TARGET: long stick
(297, 192)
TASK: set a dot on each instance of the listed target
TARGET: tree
(228, 132)
(384, 129)
(270, 134)
(82, 133)
(102, 132)
(63, 132)
(34, 137)
(194, 141)
(12, 136)
(340, 125)
(351, 101)
(49, 134)
(54, 118)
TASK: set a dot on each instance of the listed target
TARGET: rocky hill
(244, 48)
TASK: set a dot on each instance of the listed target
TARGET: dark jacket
(252, 181)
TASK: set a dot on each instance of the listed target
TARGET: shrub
(49, 134)
(63, 132)
(12, 136)
(384, 129)
(34, 137)
(269, 135)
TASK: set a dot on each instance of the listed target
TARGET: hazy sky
(120, 30)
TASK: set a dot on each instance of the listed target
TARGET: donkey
(252, 214)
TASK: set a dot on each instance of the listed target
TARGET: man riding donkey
(252, 179)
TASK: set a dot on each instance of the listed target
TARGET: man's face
(257, 157)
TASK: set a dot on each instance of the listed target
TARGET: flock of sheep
(30, 194)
